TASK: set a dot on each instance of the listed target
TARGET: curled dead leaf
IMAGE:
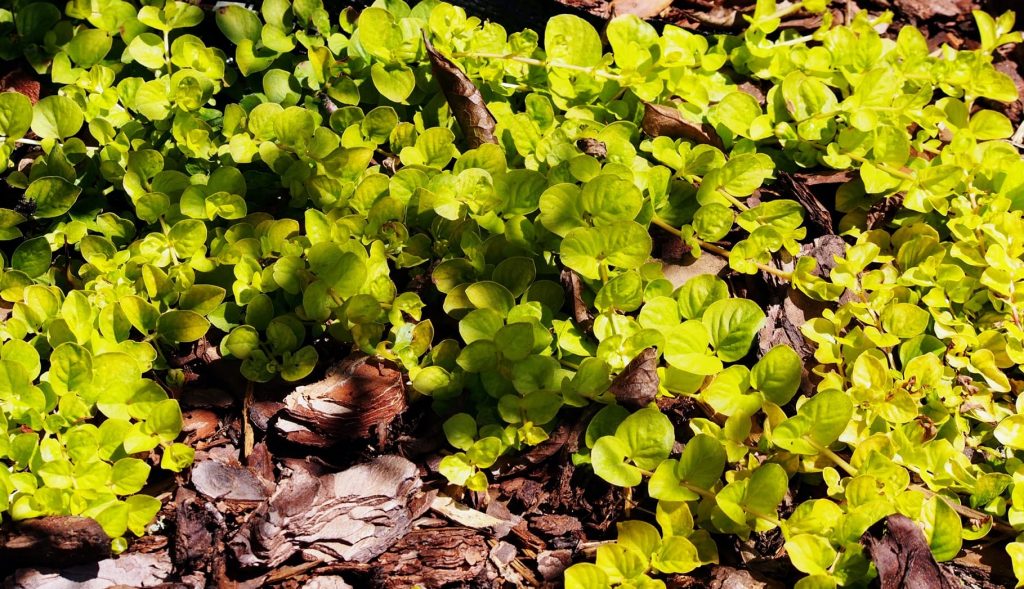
(580, 311)
(463, 98)
(637, 385)
(666, 121)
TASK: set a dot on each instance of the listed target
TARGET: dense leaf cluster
(279, 180)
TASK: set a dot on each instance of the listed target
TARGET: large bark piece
(130, 570)
(358, 394)
(353, 515)
(53, 541)
(434, 558)
(901, 554)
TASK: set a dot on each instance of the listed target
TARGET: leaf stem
(735, 201)
(721, 251)
(837, 459)
(888, 169)
(594, 71)
(656, 220)
(167, 50)
(712, 496)
(963, 510)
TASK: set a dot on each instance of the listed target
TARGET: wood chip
(353, 515)
(884, 211)
(131, 570)
(900, 552)
(229, 482)
(196, 522)
(640, 8)
(53, 541)
(708, 263)
(469, 517)
(817, 213)
(928, 9)
(439, 557)
(592, 147)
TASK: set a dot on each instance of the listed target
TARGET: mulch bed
(335, 483)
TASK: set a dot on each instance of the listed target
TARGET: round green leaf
(52, 195)
(182, 326)
(732, 325)
(89, 47)
(32, 256)
(237, 23)
(56, 117)
(609, 461)
(570, 39)
(777, 374)
(15, 114)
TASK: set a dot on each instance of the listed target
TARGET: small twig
(973, 514)
(248, 441)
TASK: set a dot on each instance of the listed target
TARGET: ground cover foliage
(483, 211)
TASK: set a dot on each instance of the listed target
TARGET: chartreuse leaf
(56, 117)
(641, 442)
(53, 196)
(15, 115)
(693, 475)
(238, 23)
(777, 374)
(732, 325)
(1010, 432)
(571, 39)
(296, 194)
(182, 326)
(818, 423)
(811, 554)
(588, 250)
(585, 575)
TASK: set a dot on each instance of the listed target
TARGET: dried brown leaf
(789, 185)
(637, 385)
(665, 121)
(883, 211)
(580, 312)
(22, 82)
(463, 98)
(592, 147)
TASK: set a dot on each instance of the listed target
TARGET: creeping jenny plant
(273, 180)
